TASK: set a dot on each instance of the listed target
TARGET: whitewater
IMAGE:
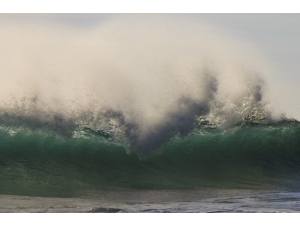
(141, 108)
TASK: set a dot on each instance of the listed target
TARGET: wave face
(136, 103)
(43, 162)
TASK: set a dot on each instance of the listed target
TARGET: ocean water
(159, 201)
(248, 168)
(141, 114)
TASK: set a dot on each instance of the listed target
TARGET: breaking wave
(136, 103)
(42, 162)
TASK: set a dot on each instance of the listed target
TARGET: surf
(42, 162)
(138, 103)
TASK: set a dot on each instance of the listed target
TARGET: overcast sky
(278, 37)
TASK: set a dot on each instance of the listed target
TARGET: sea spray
(137, 103)
(145, 79)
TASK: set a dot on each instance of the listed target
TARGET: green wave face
(40, 162)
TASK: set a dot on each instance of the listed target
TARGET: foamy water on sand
(191, 201)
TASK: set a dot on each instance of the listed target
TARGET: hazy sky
(278, 37)
(275, 35)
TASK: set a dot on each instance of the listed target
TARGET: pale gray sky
(278, 37)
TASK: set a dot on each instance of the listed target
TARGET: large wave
(136, 103)
(40, 162)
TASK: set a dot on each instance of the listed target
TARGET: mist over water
(138, 102)
(146, 79)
